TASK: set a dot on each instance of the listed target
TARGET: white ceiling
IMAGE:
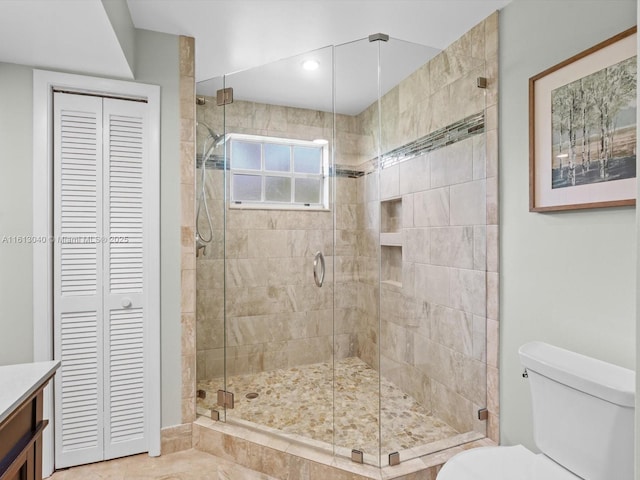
(73, 35)
(355, 83)
(234, 35)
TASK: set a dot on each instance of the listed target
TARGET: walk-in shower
(376, 160)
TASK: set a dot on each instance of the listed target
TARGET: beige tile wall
(276, 316)
(188, 266)
(179, 437)
(368, 264)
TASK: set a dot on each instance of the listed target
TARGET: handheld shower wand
(210, 144)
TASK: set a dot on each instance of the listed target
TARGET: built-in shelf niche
(391, 215)
(391, 271)
(391, 222)
(391, 241)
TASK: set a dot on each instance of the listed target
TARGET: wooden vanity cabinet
(21, 439)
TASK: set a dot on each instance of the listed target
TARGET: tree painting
(594, 127)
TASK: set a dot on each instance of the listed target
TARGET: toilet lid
(503, 463)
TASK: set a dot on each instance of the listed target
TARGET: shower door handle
(318, 273)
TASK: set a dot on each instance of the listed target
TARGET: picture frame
(582, 129)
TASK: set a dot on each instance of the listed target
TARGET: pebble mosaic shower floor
(299, 401)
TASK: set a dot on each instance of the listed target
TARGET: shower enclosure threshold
(334, 404)
(278, 454)
(298, 406)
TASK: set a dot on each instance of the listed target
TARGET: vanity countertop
(18, 382)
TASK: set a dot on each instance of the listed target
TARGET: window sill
(275, 206)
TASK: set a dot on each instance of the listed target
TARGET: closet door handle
(318, 273)
(126, 303)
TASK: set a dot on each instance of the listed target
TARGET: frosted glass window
(308, 190)
(246, 155)
(307, 159)
(277, 189)
(277, 158)
(277, 173)
(247, 187)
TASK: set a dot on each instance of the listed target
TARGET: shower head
(212, 134)
(215, 138)
(219, 140)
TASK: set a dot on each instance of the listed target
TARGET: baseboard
(176, 438)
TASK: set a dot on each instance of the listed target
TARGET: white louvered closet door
(99, 302)
(124, 329)
(78, 279)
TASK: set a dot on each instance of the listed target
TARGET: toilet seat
(503, 463)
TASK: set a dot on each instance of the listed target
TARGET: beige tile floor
(185, 465)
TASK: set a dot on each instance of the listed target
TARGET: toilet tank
(583, 411)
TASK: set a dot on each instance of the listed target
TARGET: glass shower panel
(210, 202)
(433, 250)
(357, 380)
(279, 322)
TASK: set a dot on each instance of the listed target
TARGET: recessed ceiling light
(310, 65)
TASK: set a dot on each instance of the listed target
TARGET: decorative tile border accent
(347, 172)
(214, 162)
(456, 132)
(444, 137)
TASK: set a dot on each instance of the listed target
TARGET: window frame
(263, 173)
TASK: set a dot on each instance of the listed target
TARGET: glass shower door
(279, 248)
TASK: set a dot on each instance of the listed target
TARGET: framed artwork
(582, 129)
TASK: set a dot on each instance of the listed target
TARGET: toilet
(583, 423)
